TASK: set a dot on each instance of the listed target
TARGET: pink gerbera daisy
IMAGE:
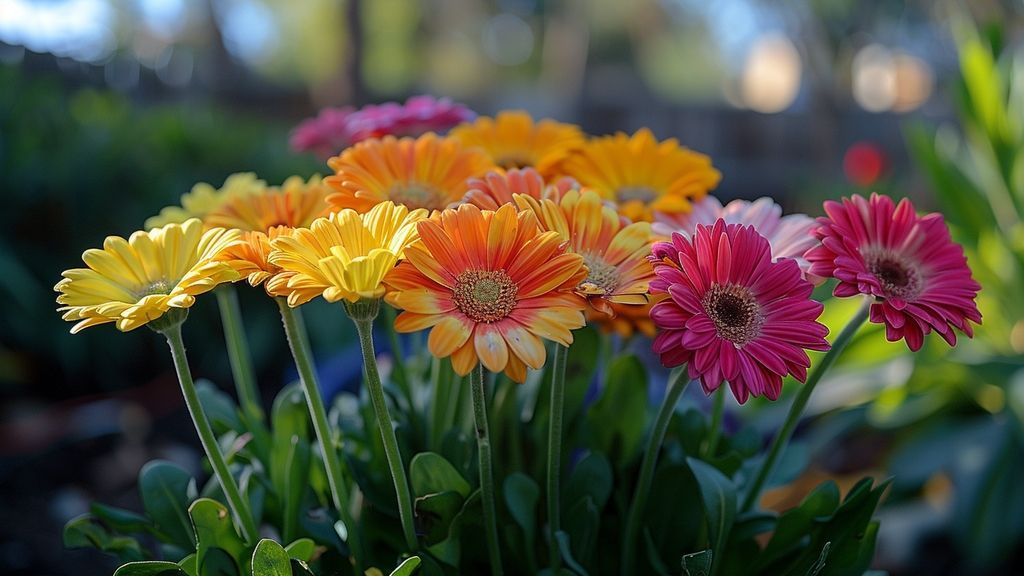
(732, 313)
(324, 135)
(789, 236)
(917, 274)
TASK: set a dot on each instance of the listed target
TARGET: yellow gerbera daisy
(490, 285)
(250, 257)
(426, 172)
(204, 199)
(642, 175)
(344, 256)
(294, 204)
(615, 254)
(514, 140)
(135, 281)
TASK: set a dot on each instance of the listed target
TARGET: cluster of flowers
(509, 231)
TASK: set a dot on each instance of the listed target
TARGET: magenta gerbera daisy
(918, 276)
(324, 135)
(733, 314)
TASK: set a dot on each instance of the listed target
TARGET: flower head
(135, 281)
(514, 140)
(427, 172)
(732, 314)
(490, 285)
(324, 135)
(642, 175)
(615, 254)
(294, 204)
(908, 263)
(344, 256)
(204, 199)
(497, 188)
(789, 236)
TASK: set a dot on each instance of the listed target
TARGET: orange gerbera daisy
(497, 188)
(641, 174)
(514, 140)
(615, 254)
(262, 217)
(426, 172)
(490, 285)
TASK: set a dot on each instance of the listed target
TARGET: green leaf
(618, 419)
(220, 408)
(289, 473)
(579, 369)
(521, 496)
(86, 532)
(407, 567)
(698, 563)
(582, 522)
(301, 549)
(435, 513)
(430, 473)
(149, 568)
(188, 565)
(564, 546)
(121, 520)
(270, 559)
(166, 493)
(289, 416)
(214, 530)
(820, 564)
(719, 498)
(591, 477)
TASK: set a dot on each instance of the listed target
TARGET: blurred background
(111, 109)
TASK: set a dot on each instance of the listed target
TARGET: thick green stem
(239, 506)
(364, 327)
(800, 402)
(238, 351)
(555, 453)
(298, 341)
(483, 444)
(676, 385)
(715, 432)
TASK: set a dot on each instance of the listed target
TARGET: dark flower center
(513, 160)
(898, 277)
(485, 295)
(734, 311)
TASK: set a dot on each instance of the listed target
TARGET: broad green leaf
(565, 547)
(435, 512)
(166, 493)
(592, 476)
(582, 522)
(149, 568)
(719, 498)
(579, 369)
(214, 529)
(220, 408)
(521, 496)
(617, 421)
(698, 563)
(270, 559)
(86, 532)
(408, 567)
(188, 565)
(301, 549)
(430, 473)
(289, 472)
(289, 416)
(121, 520)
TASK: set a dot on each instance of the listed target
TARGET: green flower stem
(238, 351)
(676, 385)
(364, 326)
(483, 443)
(238, 505)
(298, 341)
(555, 452)
(717, 411)
(800, 402)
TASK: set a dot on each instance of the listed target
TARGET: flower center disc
(415, 195)
(734, 311)
(602, 274)
(485, 295)
(510, 160)
(897, 277)
(644, 194)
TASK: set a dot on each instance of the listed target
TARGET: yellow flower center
(485, 295)
(602, 274)
(734, 311)
(643, 194)
(899, 278)
(158, 287)
(415, 195)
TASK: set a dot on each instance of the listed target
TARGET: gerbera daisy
(615, 255)
(514, 140)
(626, 320)
(204, 199)
(732, 313)
(296, 203)
(419, 115)
(496, 188)
(789, 236)
(344, 256)
(136, 281)
(490, 285)
(908, 263)
(325, 134)
(642, 175)
(427, 172)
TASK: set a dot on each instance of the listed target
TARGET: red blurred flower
(732, 314)
(909, 263)
(864, 163)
